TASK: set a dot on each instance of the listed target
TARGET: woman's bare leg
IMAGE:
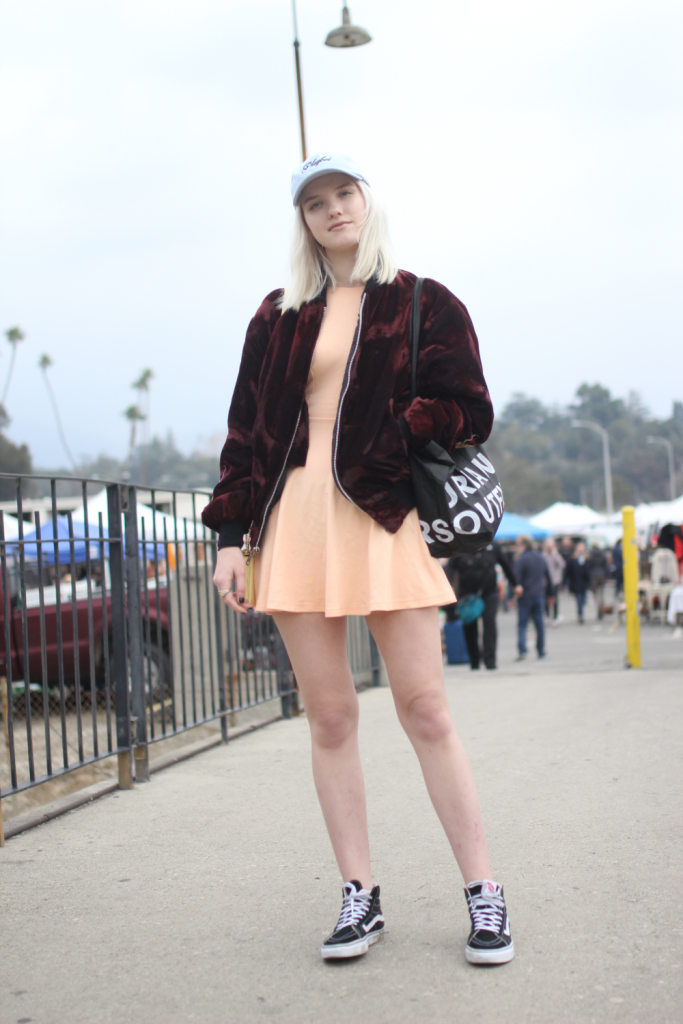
(317, 651)
(410, 643)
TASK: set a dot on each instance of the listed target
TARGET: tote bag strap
(415, 336)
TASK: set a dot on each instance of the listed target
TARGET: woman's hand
(229, 567)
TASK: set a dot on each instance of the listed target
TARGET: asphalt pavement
(204, 895)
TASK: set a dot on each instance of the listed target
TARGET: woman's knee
(427, 718)
(332, 725)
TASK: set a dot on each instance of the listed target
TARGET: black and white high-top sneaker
(490, 940)
(360, 923)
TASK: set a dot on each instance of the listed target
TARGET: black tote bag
(459, 498)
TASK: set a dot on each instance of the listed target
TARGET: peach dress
(320, 552)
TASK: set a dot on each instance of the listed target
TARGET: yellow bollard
(630, 553)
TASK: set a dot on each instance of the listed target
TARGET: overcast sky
(529, 156)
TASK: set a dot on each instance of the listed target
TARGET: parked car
(83, 637)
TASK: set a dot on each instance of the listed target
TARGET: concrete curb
(30, 819)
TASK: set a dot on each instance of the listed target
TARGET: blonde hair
(311, 267)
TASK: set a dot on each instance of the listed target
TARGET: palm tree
(14, 335)
(45, 362)
(141, 385)
(134, 416)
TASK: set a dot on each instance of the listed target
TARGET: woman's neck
(342, 266)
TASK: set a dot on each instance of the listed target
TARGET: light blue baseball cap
(323, 163)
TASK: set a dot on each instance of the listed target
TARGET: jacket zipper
(347, 381)
(255, 550)
(247, 549)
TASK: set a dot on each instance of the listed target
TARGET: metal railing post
(119, 653)
(136, 654)
(374, 660)
(220, 651)
(284, 672)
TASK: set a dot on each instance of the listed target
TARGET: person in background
(556, 566)
(598, 568)
(476, 574)
(671, 537)
(506, 590)
(533, 579)
(578, 578)
(566, 549)
(618, 568)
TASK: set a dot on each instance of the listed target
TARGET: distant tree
(134, 416)
(142, 386)
(636, 409)
(541, 458)
(524, 411)
(158, 464)
(143, 381)
(596, 403)
(45, 363)
(104, 467)
(161, 464)
(14, 335)
(13, 459)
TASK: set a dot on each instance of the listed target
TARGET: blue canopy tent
(47, 537)
(64, 544)
(513, 526)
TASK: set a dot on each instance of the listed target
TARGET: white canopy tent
(12, 526)
(563, 517)
(146, 515)
(658, 513)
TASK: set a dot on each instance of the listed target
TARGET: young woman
(578, 577)
(556, 570)
(315, 490)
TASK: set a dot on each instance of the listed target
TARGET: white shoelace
(487, 912)
(354, 908)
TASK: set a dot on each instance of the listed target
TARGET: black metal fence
(113, 636)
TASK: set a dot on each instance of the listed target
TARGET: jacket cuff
(231, 534)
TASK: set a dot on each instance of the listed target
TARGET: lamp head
(347, 34)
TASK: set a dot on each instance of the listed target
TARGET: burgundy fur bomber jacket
(268, 418)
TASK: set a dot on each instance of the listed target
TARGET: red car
(93, 623)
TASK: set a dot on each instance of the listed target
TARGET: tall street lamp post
(605, 458)
(670, 452)
(298, 83)
(345, 36)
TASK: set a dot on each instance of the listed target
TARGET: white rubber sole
(353, 949)
(490, 956)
